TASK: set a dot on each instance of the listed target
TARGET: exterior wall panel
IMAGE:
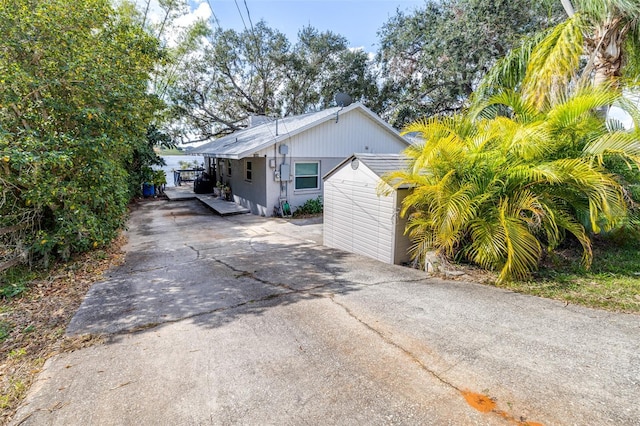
(402, 242)
(249, 194)
(356, 218)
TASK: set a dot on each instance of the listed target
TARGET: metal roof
(380, 164)
(244, 143)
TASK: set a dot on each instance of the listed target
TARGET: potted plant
(148, 188)
(159, 181)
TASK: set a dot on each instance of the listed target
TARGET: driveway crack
(391, 342)
(249, 274)
(151, 325)
(194, 249)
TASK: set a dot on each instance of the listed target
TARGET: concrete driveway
(247, 320)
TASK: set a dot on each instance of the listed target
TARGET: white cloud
(156, 15)
(203, 12)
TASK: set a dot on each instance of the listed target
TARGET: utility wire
(248, 14)
(213, 15)
(241, 16)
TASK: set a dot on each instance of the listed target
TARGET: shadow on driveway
(183, 262)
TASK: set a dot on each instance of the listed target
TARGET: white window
(228, 167)
(248, 170)
(307, 175)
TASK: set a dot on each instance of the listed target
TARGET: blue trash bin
(148, 190)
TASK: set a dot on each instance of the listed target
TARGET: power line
(248, 14)
(213, 14)
(241, 16)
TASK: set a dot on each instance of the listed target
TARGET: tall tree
(236, 75)
(258, 72)
(354, 75)
(319, 66)
(433, 58)
(611, 31)
(598, 43)
(313, 57)
(534, 158)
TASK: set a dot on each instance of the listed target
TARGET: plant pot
(148, 190)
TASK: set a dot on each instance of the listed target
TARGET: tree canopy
(433, 59)
(258, 71)
(500, 191)
(534, 159)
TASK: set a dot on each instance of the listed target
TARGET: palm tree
(499, 191)
(599, 43)
(607, 25)
(528, 163)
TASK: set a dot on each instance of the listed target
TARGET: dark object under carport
(203, 184)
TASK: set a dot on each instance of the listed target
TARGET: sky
(357, 20)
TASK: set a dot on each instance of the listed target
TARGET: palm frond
(488, 242)
(523, 248)
(567, 222)
(522, 141)
(573, 109)
(601, 8)
(553, 63)
(522, 110)
(455, 211)
(619, 142)
(604, 194)
(420, 231)
(630, 107)
(527, 174)
(507, 73)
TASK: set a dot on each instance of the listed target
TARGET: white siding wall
(328, 143)
(354, 132)
(356, 218)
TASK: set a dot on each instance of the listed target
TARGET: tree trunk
(568, 7)
(606, 50)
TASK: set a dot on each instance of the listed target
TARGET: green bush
(502, 191)
(73, 127)
(310, 207)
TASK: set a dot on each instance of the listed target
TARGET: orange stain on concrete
(485, 404)
(480, 402)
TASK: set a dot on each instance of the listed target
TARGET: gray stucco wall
(249, 193)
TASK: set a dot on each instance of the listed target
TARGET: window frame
(296, 176)
(248, 170)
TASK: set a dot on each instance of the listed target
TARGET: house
(274, 161)
(362, 211)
